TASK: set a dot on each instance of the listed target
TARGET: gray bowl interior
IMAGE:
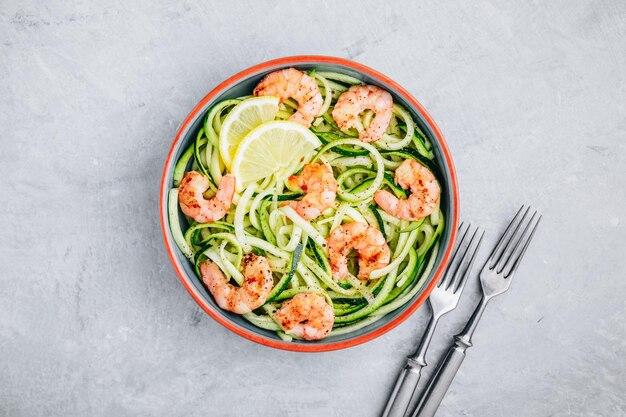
(245, 87)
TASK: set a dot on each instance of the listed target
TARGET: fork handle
(404, 390)
(440, 383)
(443, 377)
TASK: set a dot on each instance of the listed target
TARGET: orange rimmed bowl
(242, 84)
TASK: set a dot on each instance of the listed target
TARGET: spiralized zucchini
(296, 248)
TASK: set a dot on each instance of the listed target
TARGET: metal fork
(495, 278)
(443, 299)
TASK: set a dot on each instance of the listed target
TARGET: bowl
(242, 84)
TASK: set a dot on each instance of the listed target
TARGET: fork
(495, 278)
(443, 299)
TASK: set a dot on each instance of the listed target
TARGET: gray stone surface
(531, 97)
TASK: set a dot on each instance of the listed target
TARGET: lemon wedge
(243, 118)
(271, 148)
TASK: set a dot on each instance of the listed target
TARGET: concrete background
(93, 321)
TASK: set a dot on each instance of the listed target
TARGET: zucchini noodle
(295, 248)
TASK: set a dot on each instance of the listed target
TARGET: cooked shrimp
(359, 98)
(290, 82)
(424, 197)
(193, 204)
(307, 316)
(252, 293)
(320, 186)
(368, 241)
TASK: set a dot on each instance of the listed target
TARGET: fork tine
(508, 234)
(461, 256)
(462, 233)
(463, 272)
(520, 248)
(517, 236)
(515, 243)
(447, 277)
(457, 245)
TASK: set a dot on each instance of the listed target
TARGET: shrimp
(368, 241)
(424, 197)
(320, 186)
(290, 82)
(307, 316)
(252, 293)
(359, 98)
(193, 203)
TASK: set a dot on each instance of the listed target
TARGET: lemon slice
(244, 117)
(271, 148)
